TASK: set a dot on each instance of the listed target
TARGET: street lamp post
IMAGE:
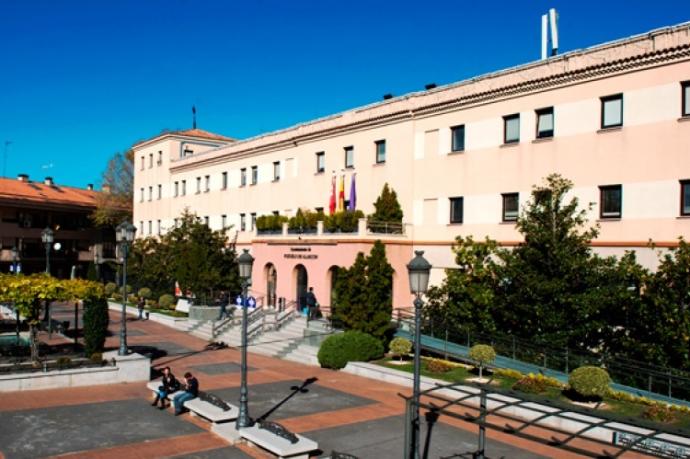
(418, 269)
(47, 236)
(245, 261)
(15, 264)
(124, 235)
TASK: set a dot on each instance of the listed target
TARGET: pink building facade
(614, 119)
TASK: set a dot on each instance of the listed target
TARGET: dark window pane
(510, 206)
(456, 210)
(545, 123)
(458, 138)
(685, 197)
(511, 128)
(611, 201)
(686, 98)
(381, 151)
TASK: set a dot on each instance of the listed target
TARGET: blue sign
(251, 301)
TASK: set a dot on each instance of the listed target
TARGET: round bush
(110, 288)
(166, 301)
(144, 293)
(351, 346)
(400, 347)
(438, 366)
(482, 354)
(589, 381)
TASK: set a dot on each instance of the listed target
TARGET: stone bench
(212, 408)
(153, 386)
(280, 446)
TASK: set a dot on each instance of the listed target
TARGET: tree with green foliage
(114, 204)
(93, 297)
(465, 300)
(364, 293)
(386, 207)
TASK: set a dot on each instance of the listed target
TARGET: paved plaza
(340, 411)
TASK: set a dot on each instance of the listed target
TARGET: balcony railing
(364, 227)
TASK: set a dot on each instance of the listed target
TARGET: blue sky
(80, 80)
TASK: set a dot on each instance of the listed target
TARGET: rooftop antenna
(549, 22)
(4, 157)
(193, 116)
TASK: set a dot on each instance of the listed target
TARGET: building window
(252, 222)
(545, 123)
(206, 220)
(141, 196)
(612, 111)
(150, 227)
(224, 180)
(158, 227)
(318, 210)
(143, 160)
(188, 152)
(320, 162)
(457, 136)
(276, 213)
(198, 185)
(243, 223)
(160, 158)
(380, 151)
(610, 201)
(255, 175)
(685, 198)
(150, 193)
(511, 128)
(243, 176)
(160, 191)
(223, 221)
(349, 157)
(184, 187)
(276, 171)
(177, 189)
(456, 209)
(141, 224)
(511, 206)
(686, 98)
(207, 183)
(150, 160)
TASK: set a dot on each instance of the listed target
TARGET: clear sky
(80, 80)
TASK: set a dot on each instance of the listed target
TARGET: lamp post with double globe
(124, 236)
(418, 269)
(47, 237)
(245, 262)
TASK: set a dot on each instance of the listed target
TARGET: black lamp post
(15, 260)
(124, 236)
(245, 261)
(47, 236)
(418, 269)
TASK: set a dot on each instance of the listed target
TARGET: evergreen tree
(386, 207)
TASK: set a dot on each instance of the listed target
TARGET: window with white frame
(177, 189)
(243, 222)
(198, 185)
(255, 175)
(160, 191)
(207, 183)
(252, 221)
(184, 187)
(243, 176)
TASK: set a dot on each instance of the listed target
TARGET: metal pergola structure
(589, 433)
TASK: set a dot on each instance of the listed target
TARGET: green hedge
(95, 325)
(352, 346)
(166, 301)
(589, 381)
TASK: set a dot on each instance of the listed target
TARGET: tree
(466, 300)
(364, 293)
(386, 207)
(93, 297)
(546, 282)
(114, 203)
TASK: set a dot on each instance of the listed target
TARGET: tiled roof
(199, 133)
(39, 193)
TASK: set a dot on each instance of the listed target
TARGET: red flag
(331, 204)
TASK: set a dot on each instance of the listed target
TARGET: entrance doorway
(302, 282)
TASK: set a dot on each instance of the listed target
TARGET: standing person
(140, 306)
(223, 301)
(169, 384)
(311, 303)
(191, 390)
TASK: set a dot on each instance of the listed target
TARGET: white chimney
(48, 181)
(89, 186)
(23, 177)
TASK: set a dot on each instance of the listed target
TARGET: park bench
(212, 408)
(275, 438)
(153, 386)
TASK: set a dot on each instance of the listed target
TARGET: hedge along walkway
(384, 398)
(441, 346)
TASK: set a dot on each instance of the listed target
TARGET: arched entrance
(301, 283)
(271, 276)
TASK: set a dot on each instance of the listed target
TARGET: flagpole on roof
(193, 116)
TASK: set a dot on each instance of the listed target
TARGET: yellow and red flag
(341, 194)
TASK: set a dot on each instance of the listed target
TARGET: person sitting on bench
(191, 391)
(169, 384)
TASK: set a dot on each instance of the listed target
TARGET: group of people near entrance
(169, 385)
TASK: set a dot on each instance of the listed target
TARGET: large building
(614, 119)
(28, 207)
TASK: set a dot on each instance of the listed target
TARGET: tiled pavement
(341, 411)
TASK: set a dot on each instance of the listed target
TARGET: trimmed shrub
(438, 366)
(95, 326)
(530, 385)
(110, 288)
(117, 296)
(659, 412)
(166, 301)
(482, 354)
(96, 357)
(589, 381)
(352, 346)
(63, 362)
(400, 347)
(144, 292)
(508, 373)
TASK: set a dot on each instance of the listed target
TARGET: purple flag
(353, 195)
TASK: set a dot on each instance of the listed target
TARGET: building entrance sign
(298, 253)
